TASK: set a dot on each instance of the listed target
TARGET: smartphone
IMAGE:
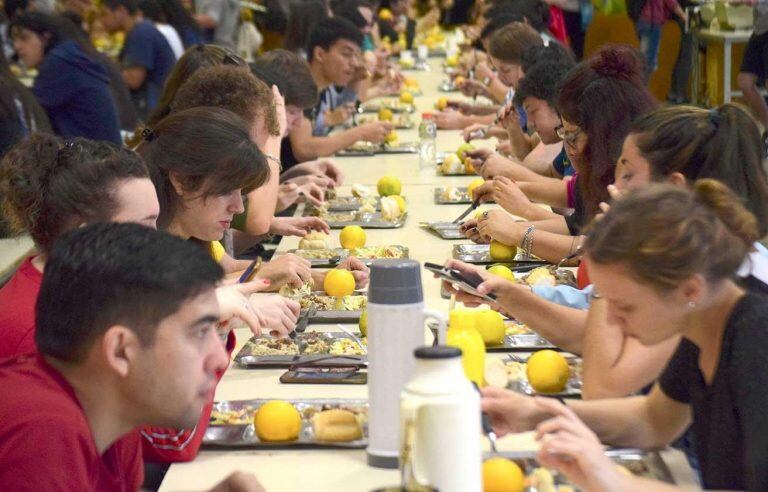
(468, 282)
(324, 375)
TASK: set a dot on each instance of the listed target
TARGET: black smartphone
(467, 282)
(324, 375)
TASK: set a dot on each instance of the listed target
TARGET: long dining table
(335, 470)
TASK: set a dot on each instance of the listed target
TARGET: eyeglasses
(566, 136)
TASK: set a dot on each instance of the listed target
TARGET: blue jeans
(650, 38)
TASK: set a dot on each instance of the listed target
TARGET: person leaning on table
(126, 332)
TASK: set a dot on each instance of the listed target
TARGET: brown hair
(722, 143)
(209, 149)
(299, 89)
(603, 95)
(195, 58)
(666, 234)
(509, 43)
(231, 88)
(49, 186)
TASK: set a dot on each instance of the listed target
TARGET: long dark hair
(722, 143)
(209, 149)
(53, 29)
(49, 186)
(13, 93)
(176, 15)
(603, 95)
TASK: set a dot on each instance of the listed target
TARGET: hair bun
(619, 62)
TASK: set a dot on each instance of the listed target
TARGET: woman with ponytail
(663, 261)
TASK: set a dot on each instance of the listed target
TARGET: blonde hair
(666, 234)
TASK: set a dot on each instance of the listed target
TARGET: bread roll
(336, 425)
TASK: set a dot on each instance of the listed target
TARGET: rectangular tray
(439, 161)
(401, 121)
(374, 149)
(480, 254)
(346, 203)
(247, 359)
(244, 436)
(374, 221)
(572, 389)
(647, 464)
(446, 230)
(448, 86)
(463, 198)
(392, 104)
(318, 262)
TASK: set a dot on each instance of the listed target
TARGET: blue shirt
(74, 90)
(146, 47)
(562, 165)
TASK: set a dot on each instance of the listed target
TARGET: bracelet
(274, 159)
(527, 243)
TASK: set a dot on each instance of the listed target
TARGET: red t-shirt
(163, 445)
(46, 441)
(17, 311)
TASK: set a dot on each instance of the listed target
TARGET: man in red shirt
(126, 333)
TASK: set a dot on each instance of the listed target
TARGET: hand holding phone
(466, 281)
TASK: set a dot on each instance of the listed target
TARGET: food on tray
(441, 103)
(540, 276)
(502, 252)
(502, 271)
(297, 292)
(461, 152)
(502, 475)
(452, 61)
(352, 237)
(336, 425)
(474, 184)
(451, 194)
(277, 421)
(328, 303)
(385, 114)
(547, 371)
(345, 346)
(339, 282)
(313, 343)
(366, 147)
(490, 324)
(390, 208)
(231, 417)
(543, 481)
(315, 240)
(361, 191)
(452, 165)
(366, 208)
(363, 324)
(515, 328)
(379, 252)
(391, 138)
(335, 216)
(388, 185)
(495, 373)
(406, 96)
(411, 83)
(317, 254)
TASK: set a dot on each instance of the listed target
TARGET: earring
(691, 304)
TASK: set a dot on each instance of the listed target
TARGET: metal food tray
(464, 198)
(448, 86)
(346, 204)
(480, 253)
(246, 359)
(401, 148)
(401, 121)
(446, 230)
(393, 105)
(341, 253)
(360, 149)
(244, 435)
(522, 342)
(572, 388)
(647, 464)
(373, 149)
(368, 221)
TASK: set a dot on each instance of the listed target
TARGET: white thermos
(396, 318)
(440, 424)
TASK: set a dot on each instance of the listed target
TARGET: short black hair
(290, 73)
(542, 81)
(349, 10)
(554, 52)
(328, 31)
(107, 274)
(132, 6)
(499, 21)
(535, 12)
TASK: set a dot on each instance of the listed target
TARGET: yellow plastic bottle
(463, 335)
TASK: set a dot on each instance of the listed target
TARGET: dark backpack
(634, 8)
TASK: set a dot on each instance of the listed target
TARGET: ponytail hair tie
(148, 134)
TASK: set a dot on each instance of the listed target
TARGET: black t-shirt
(730, 416)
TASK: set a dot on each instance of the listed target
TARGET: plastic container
(427, 136)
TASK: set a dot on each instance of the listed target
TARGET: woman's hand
(280, 115)
(297, 226)
(570, 447)
(494, 165)
(337, 116)
(510, 412)
(504, 148)
(358, 269)
(287, 269)
(325, 167)
(473, 88)
(469, 229)
(233, 302)
(499, 225)
(450, 120)
(615, 194)
(475, 131)
(279, 313)
(287, 194)
(511, 198)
